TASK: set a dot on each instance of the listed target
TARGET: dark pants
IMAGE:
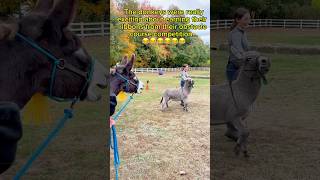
(113, 104)
(232, 71)
(10, 133)
(182, 83)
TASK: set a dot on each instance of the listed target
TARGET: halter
(127, 81)
(68, 113)
(61, 64)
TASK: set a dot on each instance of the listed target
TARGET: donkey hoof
(237, 150)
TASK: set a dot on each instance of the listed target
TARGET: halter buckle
(61, 64)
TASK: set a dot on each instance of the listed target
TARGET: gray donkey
(180, 94)
(231, 102)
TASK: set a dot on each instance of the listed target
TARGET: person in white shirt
(184, 74)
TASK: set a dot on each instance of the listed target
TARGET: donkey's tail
(161, 100)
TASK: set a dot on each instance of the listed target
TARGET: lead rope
(68, 114)
(114, 145)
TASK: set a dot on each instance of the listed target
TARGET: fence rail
(102, 28)
(156, 70)
(90, 29)
(274, 23)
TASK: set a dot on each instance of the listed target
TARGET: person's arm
(236, 48)
(236, 45)
(184, 75)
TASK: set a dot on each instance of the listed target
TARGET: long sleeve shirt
(238, 45)
(184, 75)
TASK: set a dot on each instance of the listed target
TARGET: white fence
(90, 29)
(156, 70)
(102, 28)
(274, 23)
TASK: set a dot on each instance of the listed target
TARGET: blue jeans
(182, 83)
(232, 71)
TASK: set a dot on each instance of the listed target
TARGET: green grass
(274, 36)
(79, 151)
(283, 126)
(157, 145)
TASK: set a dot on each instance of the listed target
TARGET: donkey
(123, 79)
(232, 102)
(24, 70)
(180, 94)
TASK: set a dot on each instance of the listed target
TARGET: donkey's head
(189, 83)
(123, 79)
(258, 65)
(47, 25)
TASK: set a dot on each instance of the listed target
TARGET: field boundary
(279, 49)
(270, 23)
(86, 29)
(156, 70)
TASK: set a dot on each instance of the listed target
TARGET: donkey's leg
(185, 104)
(10, 133)
(163, 102)
(243, 134)
(231, 132)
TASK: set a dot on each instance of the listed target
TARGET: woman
(238, 45)
(184, 74)
(238, 42)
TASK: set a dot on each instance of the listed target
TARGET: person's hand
(112, 122)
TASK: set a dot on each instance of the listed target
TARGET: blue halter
(60, 64)
(127, 81)
(68, 113)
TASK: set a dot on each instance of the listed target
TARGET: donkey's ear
(43, 6)
(131, 62)
(63, 12)
(124, 60)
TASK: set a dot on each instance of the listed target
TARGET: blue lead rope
(114, 145)
(68, 114)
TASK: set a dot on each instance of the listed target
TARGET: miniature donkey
(231, 102)
(180, 94)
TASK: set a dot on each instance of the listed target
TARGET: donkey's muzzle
(140, 87)
(264, 64)
(10, 133)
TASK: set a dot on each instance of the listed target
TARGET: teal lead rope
(114, 137)
(68, 114)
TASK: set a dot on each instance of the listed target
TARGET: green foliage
(194, 52)
(88, 10)
(316, 4)
(289, 9)
(9, 7)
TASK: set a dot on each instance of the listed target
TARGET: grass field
(284, 125)
(79, 150)
(158, 145)
(273, 36)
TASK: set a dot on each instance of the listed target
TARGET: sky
(188, 5)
